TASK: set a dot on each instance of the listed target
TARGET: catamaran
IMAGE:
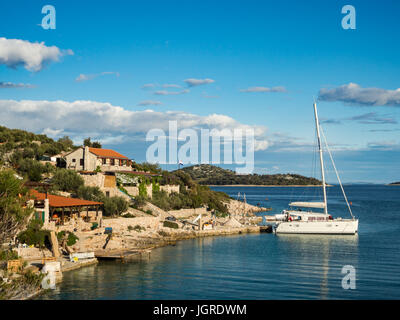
(298, 221)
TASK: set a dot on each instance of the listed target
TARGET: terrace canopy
(65, 204)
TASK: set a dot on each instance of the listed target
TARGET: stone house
(89, 159)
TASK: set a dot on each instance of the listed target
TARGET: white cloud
(197, 82)
(168, 93)
(85, 77)
(148, 86)
(353, 94)
(32, 55)
(366, 118)
(171, 85)
(52, 133)
(264, 89)
(11, 85)
(150, 103)
(383, 145)
(104, 120)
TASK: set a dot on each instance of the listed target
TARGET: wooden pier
(124, 255)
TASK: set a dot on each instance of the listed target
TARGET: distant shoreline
(264, 185)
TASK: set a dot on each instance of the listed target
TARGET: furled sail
(320, 205)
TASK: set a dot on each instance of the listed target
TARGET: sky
(115, 70)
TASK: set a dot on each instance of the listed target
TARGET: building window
(81, 162)
(104, 160)
(73, 160)
(107, 194)
(112, 162)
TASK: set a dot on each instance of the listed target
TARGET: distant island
(395, 183)
(206, 174)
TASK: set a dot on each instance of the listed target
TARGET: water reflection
(318, 253)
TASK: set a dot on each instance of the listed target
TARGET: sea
(265, 266)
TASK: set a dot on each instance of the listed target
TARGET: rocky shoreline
(135, 237)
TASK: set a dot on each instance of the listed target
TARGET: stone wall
(186, 213)
(98, 180)
(134, 191)
(121, 224)
(169, 188)
(93, 180)
(115, 192)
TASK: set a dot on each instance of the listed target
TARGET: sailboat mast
(321, 158)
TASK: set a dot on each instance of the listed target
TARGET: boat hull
(318, 227)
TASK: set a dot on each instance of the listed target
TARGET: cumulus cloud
(168, 93)
(264, 89)
(31, 55)
(353, 94)
(102, 119)
(11, 85)
(150, 103)
(383, 145)
(366, 118)
(148, 86)
(86, 77)
(171, 85)
(197, 82)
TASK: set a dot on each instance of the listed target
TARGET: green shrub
(155, 186)
(13, 210)
(115, 206)
(33, 169)
(170, 224)
(90, 193)
(163, 233)
(128, 215)
(143, 189)
(138, 228)
(67, 180)
(8, 255)
(34, 235)
(71, 237)
(138, 202)
(194, 198)
(219, 214)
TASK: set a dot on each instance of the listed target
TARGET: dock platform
(123, 255)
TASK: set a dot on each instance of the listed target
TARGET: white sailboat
(309, 222)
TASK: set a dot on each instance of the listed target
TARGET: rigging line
(316, 194)
(337, 174)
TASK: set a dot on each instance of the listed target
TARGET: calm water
(264, 266)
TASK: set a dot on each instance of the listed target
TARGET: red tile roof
(59, 201)
(107, 153)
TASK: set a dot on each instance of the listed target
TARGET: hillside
(395, 183)
(212, 175)
(22, 151)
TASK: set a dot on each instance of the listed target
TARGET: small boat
(297, 221)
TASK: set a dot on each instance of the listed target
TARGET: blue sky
(300, 47)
